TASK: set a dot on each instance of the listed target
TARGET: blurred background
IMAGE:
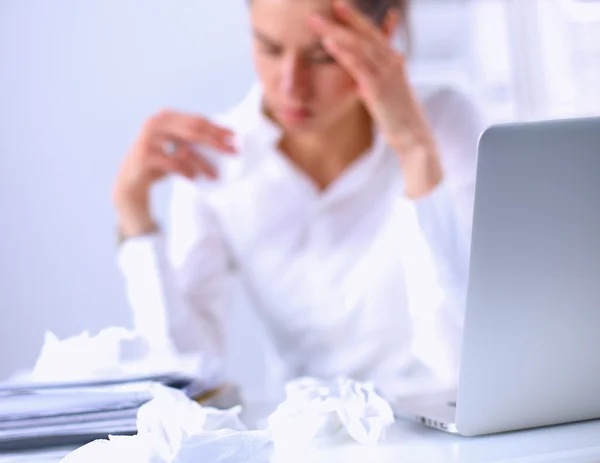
(77, 79)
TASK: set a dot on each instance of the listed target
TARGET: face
(304, 88)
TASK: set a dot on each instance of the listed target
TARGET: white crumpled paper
(110, 354)
(174, 429)
(317, 409)
(85, 356)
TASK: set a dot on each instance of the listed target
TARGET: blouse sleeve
(176, 282)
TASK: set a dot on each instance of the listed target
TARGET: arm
(439, 256)
(176, 284)
(434, 245)
(445, 214)
(174, 288)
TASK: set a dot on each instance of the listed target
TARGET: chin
(310, 122)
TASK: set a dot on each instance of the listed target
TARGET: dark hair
(378, 9)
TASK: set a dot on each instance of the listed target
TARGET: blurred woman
(337, 189)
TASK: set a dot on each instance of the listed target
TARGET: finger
(375, 41)
(201, 132)
(172, 164)
(194, 129)
(346, 46)
(201, 165)
(179, 162)
(360, 68)
(188, 161)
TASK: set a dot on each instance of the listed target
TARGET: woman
(338, 191)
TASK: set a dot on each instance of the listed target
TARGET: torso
(325, 269)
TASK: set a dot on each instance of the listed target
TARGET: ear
(392, 22)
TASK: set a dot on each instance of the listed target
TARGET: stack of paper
(57, 414)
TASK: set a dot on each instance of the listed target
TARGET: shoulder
(242, 116)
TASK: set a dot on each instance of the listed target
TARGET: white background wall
(77, 79)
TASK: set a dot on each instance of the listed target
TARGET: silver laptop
(531, 340)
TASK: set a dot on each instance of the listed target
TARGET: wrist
(134, 215)
(421, 165)
(130, 226)
(136, 222)
(421, 179)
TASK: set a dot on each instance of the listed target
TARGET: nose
(295, 79)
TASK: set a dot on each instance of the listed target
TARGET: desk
(408, 442)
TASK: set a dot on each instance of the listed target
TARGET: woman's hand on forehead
(365, 51)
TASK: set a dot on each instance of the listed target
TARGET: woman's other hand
(164, 146)
(380, 73)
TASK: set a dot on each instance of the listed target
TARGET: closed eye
(315, 54)
(322, 58)
(271, 50)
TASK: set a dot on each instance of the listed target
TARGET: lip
(294, 114)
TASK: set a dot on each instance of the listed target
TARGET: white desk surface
(408, 442)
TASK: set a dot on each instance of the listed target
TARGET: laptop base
(437, 410)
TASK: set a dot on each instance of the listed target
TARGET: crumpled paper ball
(136, 449)
(82, 356)
(316, 409)
(114, 353)
(175, 429)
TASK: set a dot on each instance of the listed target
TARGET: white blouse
(358, 280)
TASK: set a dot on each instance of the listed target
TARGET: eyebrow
(317, 46)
